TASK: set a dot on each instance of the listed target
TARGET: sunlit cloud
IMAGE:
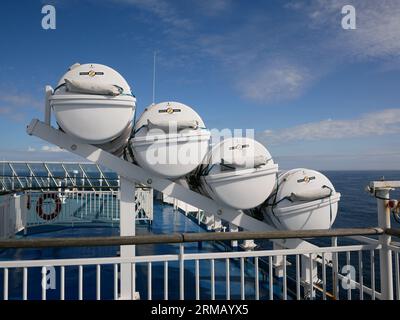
(16, 106)
(275, 81)
(380, 123)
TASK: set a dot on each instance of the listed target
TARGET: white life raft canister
(238, 172)
(94, 103)
(170, 139)
(302, 200)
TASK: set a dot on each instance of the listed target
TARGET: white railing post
(127, 228)
(181, 272)
(335, 269)
(233, 228)
(278, 261)
(385, 254)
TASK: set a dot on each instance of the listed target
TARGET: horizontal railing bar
(186, 257)
(91, 241)
(78, 177)
(80, 189)
(393, 248)
(57, 189)
(274, 253)
(289, 234)
(67, 191)
(393, 232)
(184, 237)
(364, 239)
(46, 162)
(394, 245)
(86, 261)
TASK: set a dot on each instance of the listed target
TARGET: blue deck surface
(166, 221)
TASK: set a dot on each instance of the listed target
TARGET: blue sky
(317, 95)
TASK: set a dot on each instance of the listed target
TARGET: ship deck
(166, 221)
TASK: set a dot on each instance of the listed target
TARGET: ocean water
(358, 208)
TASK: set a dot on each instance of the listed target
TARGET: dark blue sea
(357, 208)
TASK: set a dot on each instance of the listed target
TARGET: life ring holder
(28, 201)
(39, 206)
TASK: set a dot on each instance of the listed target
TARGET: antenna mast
(154, 77)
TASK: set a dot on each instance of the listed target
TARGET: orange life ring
(39, 206)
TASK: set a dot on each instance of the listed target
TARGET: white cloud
(15, 106)
(370, 124)
(33, 154)
(52, 149)
(46, 148)
(168, 11)
(378, 27)
(258, 73)
(269, 59)
(5, 110)
(20, 100)
(163, 10)
(275, 81)
(251, 50)
(336, 161)
(214, 7)
(10, 113)
(243, 49)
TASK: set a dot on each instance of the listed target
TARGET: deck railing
(31, 208)
(345, 263)
(348, 271)
(44, 175)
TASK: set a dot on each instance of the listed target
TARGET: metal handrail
(393, 232)
(185, 238)
(55, 177)
(186, 257)
(57, 189)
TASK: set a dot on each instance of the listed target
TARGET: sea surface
(358, 208)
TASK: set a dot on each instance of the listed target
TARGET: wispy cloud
(168, 11)
(370, 124)
(16, 106)
(269, 56)
(278, 80)
(324, 45)
(46, 148)
(316, 45)
(214, 7)
(14, 115)
(247, 49)
(164, 10)
(20, 100)
(5, 110)
(37, 155)
(378, 27)
(335, 161)
(52, 149)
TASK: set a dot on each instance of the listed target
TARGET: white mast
(154, 77)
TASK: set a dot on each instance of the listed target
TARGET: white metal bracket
(137, 174)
